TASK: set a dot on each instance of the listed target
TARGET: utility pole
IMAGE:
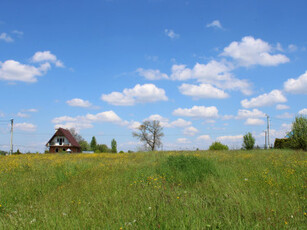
(265, 140)
(12, 123)
(268, 129)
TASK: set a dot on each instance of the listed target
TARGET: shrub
(283, 143)
(248, 141)
(121, 151)
(186, 169)
(218, 146)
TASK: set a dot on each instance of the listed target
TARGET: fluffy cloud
(5, 37)
(171, 34)
(83, 122)
(244, 113)
(11, 70)
(156, 117)
(251, 51)
(297, 86)
(282, 107)
(28, 127)
(151, 74)
(254, 121)
(214, 73)
(139, 94)
(164, 122)
(285, 115)
(215, 24)
(46, 56)
(77, 102)
(303, 111)
(230, 138)
(202, 91)
(180, 123)
(204, 138)
(183, 141)
(190, 131)
(275, 96)
(197, 112)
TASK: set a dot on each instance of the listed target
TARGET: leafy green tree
(93, 144)
(114, 146)
(218, 146)
(84, 145)
(248, 141)
(102, 148)
(298, 134)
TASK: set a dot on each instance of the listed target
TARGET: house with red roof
(63, 141)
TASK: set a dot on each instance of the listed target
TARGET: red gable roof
(67, 134)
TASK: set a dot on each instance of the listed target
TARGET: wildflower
(149, 208)
(286, 222)
(178, 197)
(246, 179)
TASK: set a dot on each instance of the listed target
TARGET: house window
(64, 150)
(56, 150)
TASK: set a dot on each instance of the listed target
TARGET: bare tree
(76, 135)
(150, 132)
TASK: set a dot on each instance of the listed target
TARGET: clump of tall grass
(186, 169)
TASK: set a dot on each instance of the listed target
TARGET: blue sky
(208, 70)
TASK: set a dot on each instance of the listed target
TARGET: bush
(218, 146)
(121, 151)
(248, 141)
(186, 169)
(283, 143)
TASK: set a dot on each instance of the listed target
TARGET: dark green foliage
(186, 169)
(114, 146)
(3, 153)
(130, 151)
(283, 143)
(84, 145)
(248, 141)
(298, 135)
(218, 146)
(121, 151)
(93, 144)
(17, 152)
(102, 149)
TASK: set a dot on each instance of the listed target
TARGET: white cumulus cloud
(151, 74)
(46, 56)
(250, 51)
(204, 138)
(11, 70)
(297, 86)
(202, 91)
(254, 121)
(244, 113)
(275, 96)
(183, 140)
(234, 138)
(190, 131)
(139, 94)
(282, 107)
(303, 111)
(27, 127)
(197, 112)
(78, 102)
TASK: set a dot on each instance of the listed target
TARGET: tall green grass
(162, 190)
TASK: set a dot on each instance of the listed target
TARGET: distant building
(63, 141)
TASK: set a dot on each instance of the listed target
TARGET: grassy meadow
(260, 189)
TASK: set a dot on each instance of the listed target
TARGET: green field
(260, 189)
